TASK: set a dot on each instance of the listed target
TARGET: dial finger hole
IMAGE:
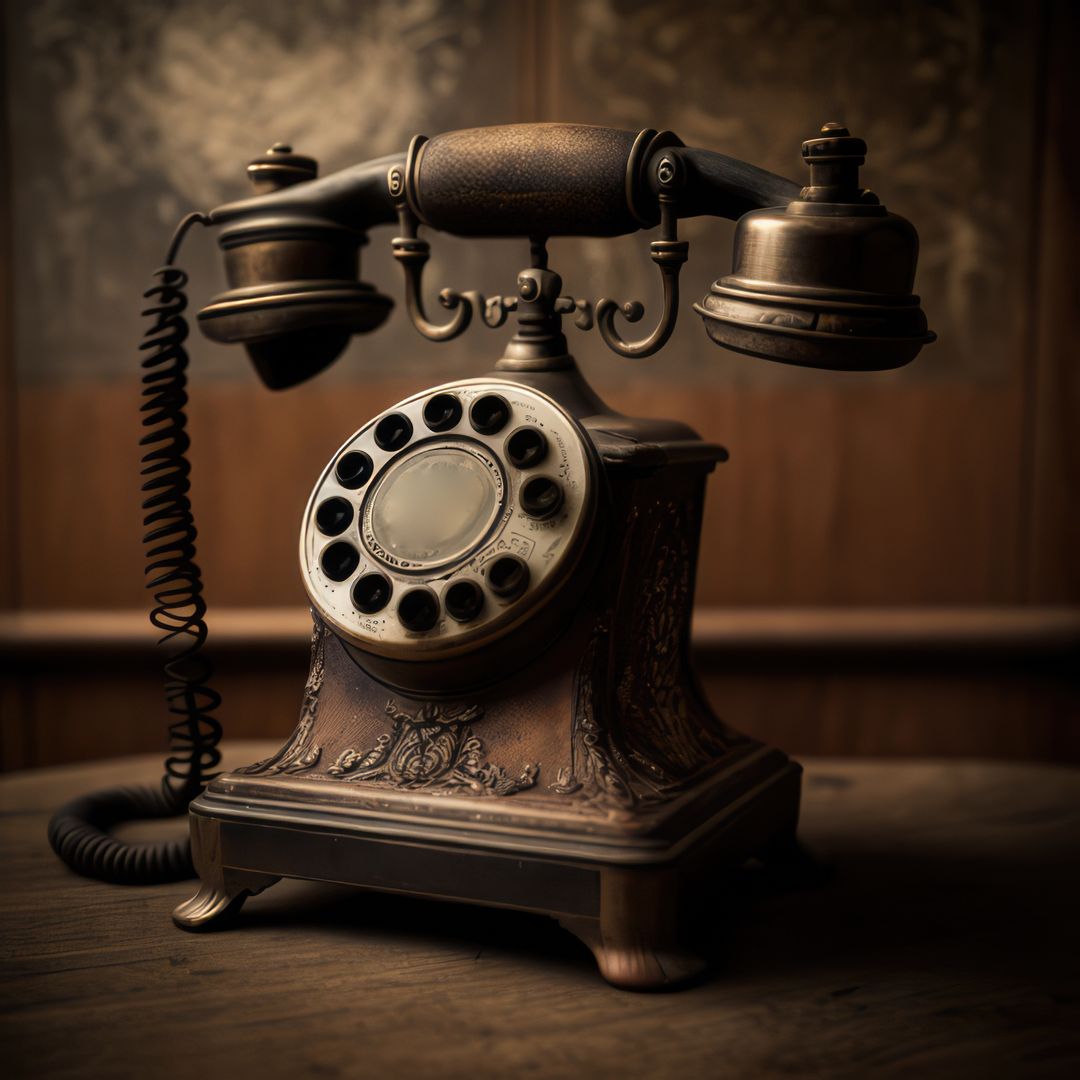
(334, 516)
(526, 448)
(339, 560)
(489, 414)
(442, 412)
(371, 593)
(393, 431)
(464, 600)
(353, 469)
(418, 609)
(541, 497)
(508, 577)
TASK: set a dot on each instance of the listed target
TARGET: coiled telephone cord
(79, 831)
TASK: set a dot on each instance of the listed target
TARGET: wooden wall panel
(835, 703)
(950, 482)
(845, 709)
(883, 494)
(8, 408)
(900, 488)
(1054, 539)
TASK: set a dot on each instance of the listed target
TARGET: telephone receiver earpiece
(292, 261)
(827, 280)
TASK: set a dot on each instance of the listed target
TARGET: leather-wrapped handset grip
(532, 180)
(541, 180)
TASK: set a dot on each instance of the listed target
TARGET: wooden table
(944, 942)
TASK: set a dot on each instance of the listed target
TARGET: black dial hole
(339, 560)
(334, 516)
(371, 593)
(442, 412)
(418, 609)
(464, 600)
(526, 447)
(353, 469)
(489, 414)
(541, 497)
(508, 577)
(393, 432)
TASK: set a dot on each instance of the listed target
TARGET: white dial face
(448, 519)
(432, 506)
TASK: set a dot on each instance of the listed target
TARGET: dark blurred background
(890, 561)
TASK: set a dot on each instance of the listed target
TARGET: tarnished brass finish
(294, 297)
(500, 707)
(826, 281)
(279, 167)
(586, 778)
(669, 253)
(506, 631)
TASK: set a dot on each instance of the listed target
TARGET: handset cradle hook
(669, 253)
(413, 253)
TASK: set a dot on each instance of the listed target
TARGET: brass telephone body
(500, 707)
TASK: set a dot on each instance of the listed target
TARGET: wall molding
(29, 634)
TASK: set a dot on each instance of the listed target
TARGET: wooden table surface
(943, 942)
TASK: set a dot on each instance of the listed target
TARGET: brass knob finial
(279, 167)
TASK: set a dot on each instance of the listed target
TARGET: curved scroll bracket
(412, 254)
(582, 311)
(669, 253)
(496, 309)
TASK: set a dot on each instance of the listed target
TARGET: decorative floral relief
(593, 774)
(435, 749)
(670, 733)
(647, 738)
(300, 753)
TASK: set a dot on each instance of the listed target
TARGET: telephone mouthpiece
(825, 281)
(294, 296)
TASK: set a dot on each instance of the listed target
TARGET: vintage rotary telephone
(500, 707)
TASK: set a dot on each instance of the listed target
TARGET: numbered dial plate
(448, 519)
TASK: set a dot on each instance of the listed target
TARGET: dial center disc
(434, 506)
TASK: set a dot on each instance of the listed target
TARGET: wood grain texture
(813, 701)
(60, 636)
(1054, 569)
(951, 482)
(9, 470)
(941, 945)
(898, 709)
(885, 494)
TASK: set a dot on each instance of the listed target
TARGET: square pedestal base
(621, 890)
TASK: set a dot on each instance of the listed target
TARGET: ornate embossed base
(586, 779)
(617, 882)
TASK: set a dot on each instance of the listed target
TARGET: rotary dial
(448, 519)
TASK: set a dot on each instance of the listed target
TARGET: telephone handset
(500, 706)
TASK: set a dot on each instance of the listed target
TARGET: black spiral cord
(79, 831)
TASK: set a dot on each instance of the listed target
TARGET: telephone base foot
(208, 909)
(213, 908)
(223, 888)
(631, 893)
(632, 960)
